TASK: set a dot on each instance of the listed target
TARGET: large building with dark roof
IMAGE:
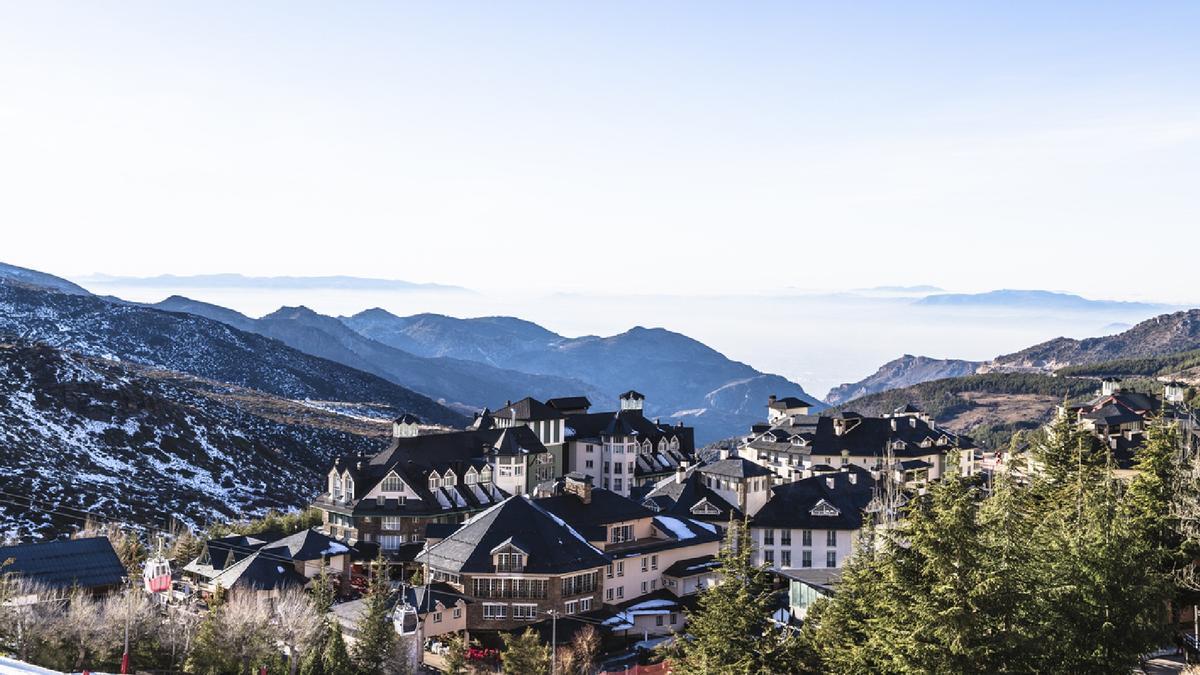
(623, 449)
(241, 562)
(1117, 418)
(802, 445)
(89, 563)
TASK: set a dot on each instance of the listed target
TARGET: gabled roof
(408, 418)
(635, 395)
(789, 403)
(554, 547)
(735, 467)
(528, 410)
(677, 497)
(791, 504)
(311, 544)
(88, 563)
(606, 507)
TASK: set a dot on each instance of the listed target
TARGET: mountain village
(589, 527)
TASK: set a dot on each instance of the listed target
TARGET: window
(831, 558)
(769, 557)
(493, 610)
(658, 620)
(579, 584)
(589, 448)
(785, 558)
(608, 571)
(435, 481)
(392, 483)
(645, 587)
(589, 464)
(620, 592)
(806, 558)
(571, 607)
(768, 537)
(831, 538)
(349, 487)
(806, 538)
(606, 467)
(620, 568)
(645, 564)
(437, 617)
(510, 562)
(485, 476)
(674, 618)
(471, 478)
(703, 508)
(617, 484)
(824, 508)
(785, 537)
(392, 522)
(335, 487)
(585, 604)
(390, 542)
(654, 561)
(608, 594)
(631, 467)
(620, 533)
(653, 584)
(457, 612)
(619, 468)
(524, 611)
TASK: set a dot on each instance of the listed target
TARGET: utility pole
(128, 603)
(553, 642)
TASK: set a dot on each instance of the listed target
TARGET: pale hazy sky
(608, 146)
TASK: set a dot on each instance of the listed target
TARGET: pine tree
(456, 655)
(376, 635)
(731, 629)
(525, 654)
(336, 660)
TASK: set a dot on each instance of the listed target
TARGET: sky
(612, 147)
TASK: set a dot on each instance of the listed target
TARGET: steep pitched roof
(311, 544)
(606, 507)
(88, 563)
(677, 497)
(553, 547)
(569, 403)
(528, 410)
(735, 467)
(790, 505)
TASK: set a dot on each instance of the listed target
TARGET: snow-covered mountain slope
(133, 444)
(196, 345)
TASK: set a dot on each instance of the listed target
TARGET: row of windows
(495, 610)
(620, 533)
(806, 558)
(509, 588)
(579, 584)
(437, 616)
(806, 538)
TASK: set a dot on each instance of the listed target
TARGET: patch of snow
(334, 549)
(676, 526)
(650, 604)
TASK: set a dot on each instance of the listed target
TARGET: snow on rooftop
(334, 549)
(676, 526)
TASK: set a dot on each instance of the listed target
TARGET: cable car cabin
(405, 619)
(157, 575)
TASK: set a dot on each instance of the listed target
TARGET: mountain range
(249, 282)
(902, 372)
(1029, 299)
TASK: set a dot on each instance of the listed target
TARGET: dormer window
(928, 442)
(471, 477)
(449, 480)
(435, 481)
(662, 444)
(824, 508)
(703, 508)
(392, 483)
(674, 443)
(510, 562)
(646, 445)
(335, 487)
(898, 445)
(348, 485)
(485, 475)
(652, 506)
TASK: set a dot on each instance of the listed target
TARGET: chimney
(680, 472)
(829, 482)
(723, 453)
(579, 485)
(893, 424)
(853, 478)
(770, 399)
(406, 426)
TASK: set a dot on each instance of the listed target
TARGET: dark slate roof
(225, 551)
(312, 544)
(678, 497)
(691, 567)
(632, 394)
(527, 410)
(1113, 414)
(415, 458)
(408, 418)
(869, 436)
(266, 569)
(425, 598)
(552, 546)
(569, 403)
(790, 504)
(606, 507)
(88, 563)
(914, 464)
(735, 467)
(789, 402)
(907, 409)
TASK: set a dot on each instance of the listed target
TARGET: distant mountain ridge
(1161, 335)
(464, 385)
(902, 372)
(682, 378)
(196, 345)
(28, 277)
(288, 282)
(1032, 299)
